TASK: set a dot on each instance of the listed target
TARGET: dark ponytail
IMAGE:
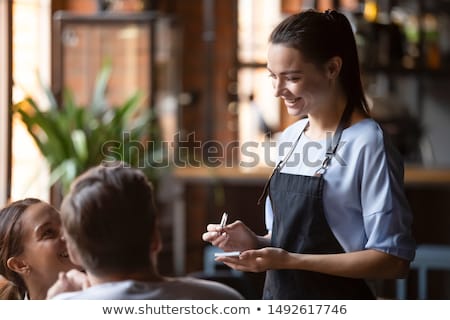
(10, 246)
(321, 36)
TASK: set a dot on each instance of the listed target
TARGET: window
(30, 60)
(4, 98)
(259, 110)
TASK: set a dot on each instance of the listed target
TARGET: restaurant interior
(195, 72)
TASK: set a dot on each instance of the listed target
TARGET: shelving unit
(402, 57)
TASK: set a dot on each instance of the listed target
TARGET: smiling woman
(336, 212)
(32, 250)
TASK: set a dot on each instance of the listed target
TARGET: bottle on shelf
(412, 35)
(431, 48)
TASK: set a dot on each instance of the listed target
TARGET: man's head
(109, 220)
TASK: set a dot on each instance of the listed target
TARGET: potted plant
(73, 138)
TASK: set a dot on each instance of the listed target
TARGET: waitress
(336, 211)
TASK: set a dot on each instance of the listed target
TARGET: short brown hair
(110, 215)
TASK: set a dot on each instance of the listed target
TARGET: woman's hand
(233, 237)
(258, 260)
(73, 280)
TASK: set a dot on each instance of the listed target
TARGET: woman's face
(45, 250)
(303, 87)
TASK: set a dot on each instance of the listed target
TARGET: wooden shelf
(444, 71)
(427, 176)
(413, 175)
(233, 174)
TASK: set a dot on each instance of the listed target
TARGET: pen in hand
(223, 221)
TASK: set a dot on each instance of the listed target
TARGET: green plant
(74, 138)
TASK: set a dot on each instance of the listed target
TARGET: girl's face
(303, 87)
(45, 251)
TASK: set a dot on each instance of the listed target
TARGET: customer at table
(110, 224)
(32, 249)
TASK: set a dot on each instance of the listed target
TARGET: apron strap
(281, 164)
(329, 154)
(335, 141)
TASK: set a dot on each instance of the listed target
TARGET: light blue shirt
(363, 198)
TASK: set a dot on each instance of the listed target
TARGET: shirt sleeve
(386, 213)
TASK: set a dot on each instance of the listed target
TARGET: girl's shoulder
(366, 131)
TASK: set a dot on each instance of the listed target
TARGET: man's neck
(144, 275)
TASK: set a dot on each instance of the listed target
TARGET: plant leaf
(98, 103)
(80, 145)
(48, 93)
(73, 138)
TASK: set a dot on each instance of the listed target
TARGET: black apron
(300, 226)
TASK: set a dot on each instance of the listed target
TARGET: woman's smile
(291, 101)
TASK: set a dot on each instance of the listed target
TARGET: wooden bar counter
(413, 175)
(418, 183)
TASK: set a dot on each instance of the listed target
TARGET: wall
(437, 119)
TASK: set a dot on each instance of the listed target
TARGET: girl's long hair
(12, 285)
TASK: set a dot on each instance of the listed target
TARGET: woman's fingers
(221, 241)
(215, 232)
(217, 228)
(213, 227)
(61, 285)
(209, 236)
(78, 279)
(250, 254)
(241, 265)
(215, 238)
(248, 261)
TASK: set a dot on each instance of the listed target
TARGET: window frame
(5, 99)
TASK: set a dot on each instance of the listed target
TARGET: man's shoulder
(204, 289)
(174, 288)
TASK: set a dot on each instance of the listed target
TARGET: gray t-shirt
(183, 288)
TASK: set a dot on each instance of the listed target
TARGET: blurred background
(199, 67)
